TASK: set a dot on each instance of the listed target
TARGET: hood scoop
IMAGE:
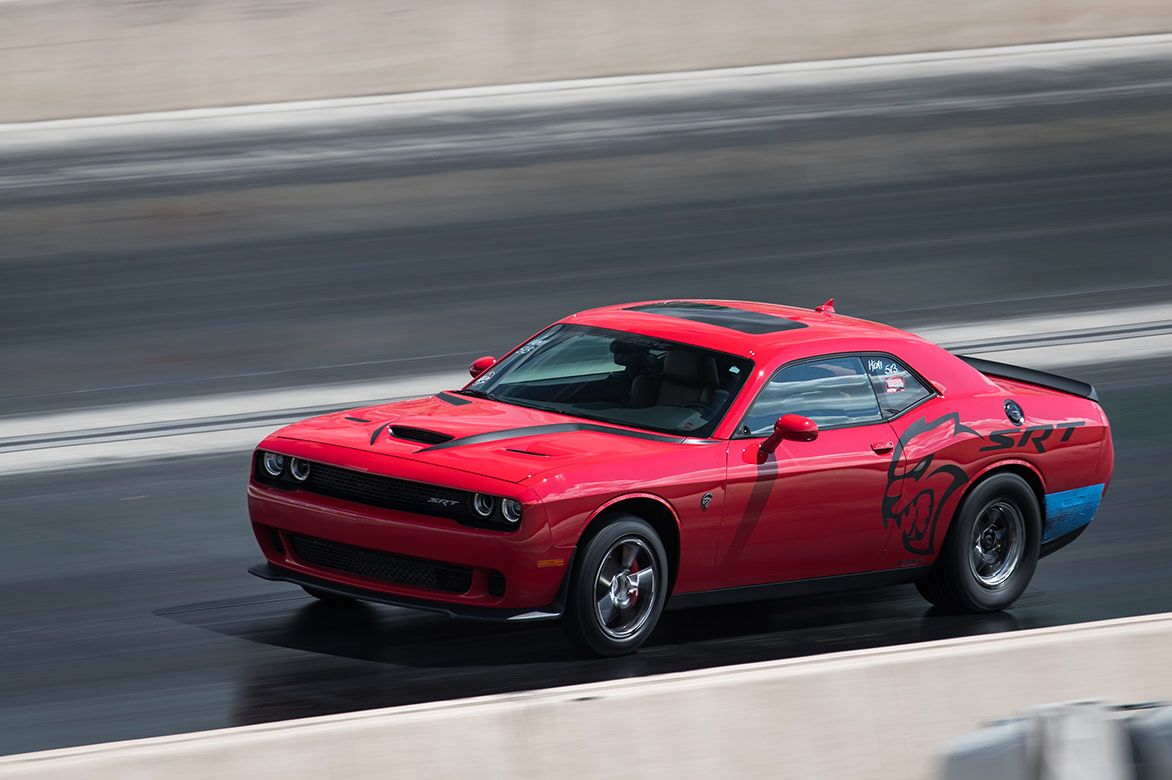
(421, 435)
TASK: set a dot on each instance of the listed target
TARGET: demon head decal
(917, 491)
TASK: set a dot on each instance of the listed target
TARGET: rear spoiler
(1029, 375)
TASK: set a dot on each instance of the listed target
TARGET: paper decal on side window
(897, 387)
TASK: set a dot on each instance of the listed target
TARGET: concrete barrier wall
(68, 58)
(878, 714)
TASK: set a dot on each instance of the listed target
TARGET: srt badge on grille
(442, 501)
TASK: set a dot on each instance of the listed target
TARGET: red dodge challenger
(687, 452)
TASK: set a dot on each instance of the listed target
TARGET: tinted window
(618, 377)
(722, 316)
(897, 388)
(830, 391)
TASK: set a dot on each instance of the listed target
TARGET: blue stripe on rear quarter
(1070, 510)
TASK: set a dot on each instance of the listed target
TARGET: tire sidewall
(968, 590)
(583, 624)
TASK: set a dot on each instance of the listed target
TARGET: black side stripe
(377, 431)
(454, 400)
(536, 430)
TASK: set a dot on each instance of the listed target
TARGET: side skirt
(778, 590)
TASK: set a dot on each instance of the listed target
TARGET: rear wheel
(991, 550)
(618, 589)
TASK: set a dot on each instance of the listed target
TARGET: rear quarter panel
(949, 443)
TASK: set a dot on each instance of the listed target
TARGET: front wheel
(618, 589)
(991, 550)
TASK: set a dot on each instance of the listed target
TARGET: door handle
(882, 447)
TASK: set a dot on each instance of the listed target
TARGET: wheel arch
(1027, 471)
(1023, 469)
(646, 506)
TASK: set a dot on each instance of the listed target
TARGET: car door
(809, 509)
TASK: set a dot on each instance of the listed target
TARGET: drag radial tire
(991, 549)
(618, 587)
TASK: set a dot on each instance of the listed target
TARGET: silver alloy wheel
(624, 588)
(997, 543)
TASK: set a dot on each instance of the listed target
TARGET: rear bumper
(1068, 514)
(1056, 544)
(275, 573)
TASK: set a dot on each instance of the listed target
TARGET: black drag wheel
(326, 597)
(618, 589)
(991, 550)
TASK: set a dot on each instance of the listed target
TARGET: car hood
(485, 437)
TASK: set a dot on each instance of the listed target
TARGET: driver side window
(832, 392)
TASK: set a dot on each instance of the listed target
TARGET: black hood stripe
(454, 400)
(536, 430)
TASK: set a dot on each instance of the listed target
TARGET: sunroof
(720, 316)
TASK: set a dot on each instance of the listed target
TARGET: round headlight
(482, 505)
(511, 509)
(274, 464)
(299, 469)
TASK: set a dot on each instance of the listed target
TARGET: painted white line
(1029, 326)
(639, 87)
(114, 453)
(1096, 353)
(223, 422)
(239, 404)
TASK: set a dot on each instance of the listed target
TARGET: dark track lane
(126, 610)
(128, 613)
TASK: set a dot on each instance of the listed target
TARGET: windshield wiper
(474, 393)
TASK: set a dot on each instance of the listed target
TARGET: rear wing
(1033, 377)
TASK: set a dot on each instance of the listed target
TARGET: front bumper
(454, 568)
(272, 572)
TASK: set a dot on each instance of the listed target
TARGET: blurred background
(173, 285)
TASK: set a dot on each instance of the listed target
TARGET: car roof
(716, 322)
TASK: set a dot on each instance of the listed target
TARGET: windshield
(620, 378)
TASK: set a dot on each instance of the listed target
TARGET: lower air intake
(381, 566)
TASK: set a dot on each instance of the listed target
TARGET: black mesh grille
(496, 583)
(277, 540)
(387, 493)
(381, 566)
(419, 434)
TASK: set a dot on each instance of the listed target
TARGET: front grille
(381, 566)
(419, 434)
(276, 535)
(387, 493)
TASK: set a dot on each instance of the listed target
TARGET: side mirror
(480, 365)
(791, 427)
